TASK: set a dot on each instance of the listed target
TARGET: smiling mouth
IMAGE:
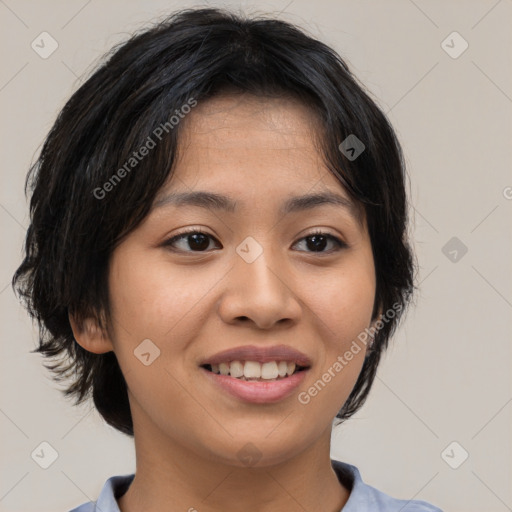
(255, 371)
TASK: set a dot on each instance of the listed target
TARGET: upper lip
(259, 354)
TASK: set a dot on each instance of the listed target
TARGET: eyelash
(194, 231)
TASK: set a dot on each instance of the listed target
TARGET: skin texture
(192, 304)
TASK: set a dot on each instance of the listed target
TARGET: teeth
(236, 369)
(270, 370)
(252, 370)
(282, 368)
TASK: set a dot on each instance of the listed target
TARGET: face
(199, 278)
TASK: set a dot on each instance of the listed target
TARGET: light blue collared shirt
(363, 497)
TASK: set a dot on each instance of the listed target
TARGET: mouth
(253, 389)
(255, 371)
(255, 374)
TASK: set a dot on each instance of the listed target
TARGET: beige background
(447, 376)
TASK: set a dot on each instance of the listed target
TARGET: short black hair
(193, 54)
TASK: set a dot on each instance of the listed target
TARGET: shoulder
(113, 488)
(366, 497)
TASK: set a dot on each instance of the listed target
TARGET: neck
(175, 478)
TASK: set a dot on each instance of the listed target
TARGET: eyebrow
(214, 201)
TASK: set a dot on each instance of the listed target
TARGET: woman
(218, 253)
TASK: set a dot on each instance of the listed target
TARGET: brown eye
(196, 241)
(318, 241)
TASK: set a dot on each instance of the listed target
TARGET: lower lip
(258, 392)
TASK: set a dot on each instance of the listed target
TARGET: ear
(377, 317)
(373, 327)
(90, 336)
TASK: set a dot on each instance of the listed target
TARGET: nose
(260, 292)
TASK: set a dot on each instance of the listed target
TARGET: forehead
(284, 116)
(249, 126)
(254, 150)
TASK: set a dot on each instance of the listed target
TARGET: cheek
(345, 301)
(149, 299)
(343, 307)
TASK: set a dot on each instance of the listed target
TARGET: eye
(199, 241)
(195, 239)
(318, 240)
